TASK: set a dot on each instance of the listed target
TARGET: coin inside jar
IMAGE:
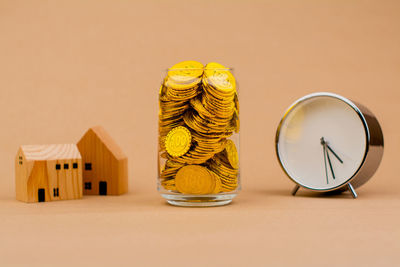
(178, 141)
(194, 179)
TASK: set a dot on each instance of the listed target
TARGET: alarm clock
(325, 142)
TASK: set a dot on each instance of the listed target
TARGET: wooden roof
(50, 152)
(107, 140)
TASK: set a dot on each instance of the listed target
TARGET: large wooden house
(105, 166)
(48, 172)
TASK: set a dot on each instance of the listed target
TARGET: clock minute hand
(325, 153)
(329, 161)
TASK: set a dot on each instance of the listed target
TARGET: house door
(41, 195)
(102, 188)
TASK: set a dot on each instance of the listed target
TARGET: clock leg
(351, 188)
(295, 189)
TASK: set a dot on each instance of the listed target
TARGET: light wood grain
(109, 163)
(35, 168)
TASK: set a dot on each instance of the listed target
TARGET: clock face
(322, 141)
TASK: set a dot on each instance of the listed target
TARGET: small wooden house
(48, 172)
(105, 166)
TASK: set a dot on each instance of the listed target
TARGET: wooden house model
(105, 166)
(48, 172)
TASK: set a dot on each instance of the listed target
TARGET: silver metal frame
(373, 152)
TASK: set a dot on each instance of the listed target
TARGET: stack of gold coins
(199, 112)
(225, 165)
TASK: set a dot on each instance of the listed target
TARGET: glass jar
(198, 155)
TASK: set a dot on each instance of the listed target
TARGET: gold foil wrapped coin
(178, 141)
(194, 179)
(232, 154)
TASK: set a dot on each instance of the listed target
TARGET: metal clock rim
(354, 107)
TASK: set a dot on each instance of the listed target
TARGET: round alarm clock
(325, 142)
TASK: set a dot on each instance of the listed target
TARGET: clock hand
(326, 148)
(329, 160)
(333, 152)
(325, 153)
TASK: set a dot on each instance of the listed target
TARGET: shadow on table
(304, 193)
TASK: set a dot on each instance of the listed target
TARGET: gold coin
(194, 179)
(236, 100)
(235, 121)
(186, 71)
(213, 66)
(220, 77)
(198, 106)
(218, 184)
(169, 184)
(178, 141)
(232, 154)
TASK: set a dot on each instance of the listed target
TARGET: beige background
(68, 65)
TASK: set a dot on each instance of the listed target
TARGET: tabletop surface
(261, 227)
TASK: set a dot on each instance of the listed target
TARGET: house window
(20, 162)
(56, 192)
(58, 166)
(66, 166)
(75, 165)
(88, 186)
(88, 166)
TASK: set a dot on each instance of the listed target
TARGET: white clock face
(322, 142)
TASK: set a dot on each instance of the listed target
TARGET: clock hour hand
(333, 152)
